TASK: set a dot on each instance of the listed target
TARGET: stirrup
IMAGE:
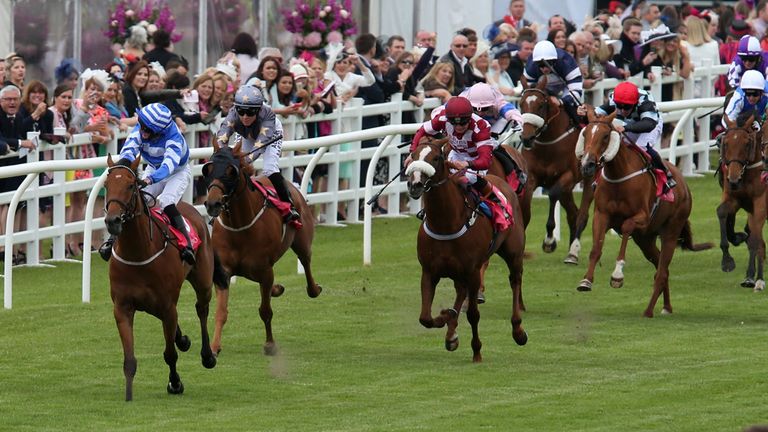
(188, 256)
(671, 182)
(420, 214)
(522, 180)
(105, 250)
(291, 216)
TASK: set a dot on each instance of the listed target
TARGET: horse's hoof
(728, 264)
(477, 358)
(748, 282)
(648, 313)
(480, 297)
(175, 390)
(209, 362)
(759, 285)
(184, 344)
(270, 349)
(549, 247)
(453, 343)
(617, 283)
(665, 311)
(521, 338)
(571, 259)
(277, 290)
(312, 294)
(584, 285)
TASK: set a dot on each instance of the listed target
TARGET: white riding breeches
(652, 138)
(171, 189)
(471, 175)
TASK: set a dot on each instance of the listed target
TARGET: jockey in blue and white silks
(564, 78)
(749, 97)
(160, 144)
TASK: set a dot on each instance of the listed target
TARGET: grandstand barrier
(690, 154)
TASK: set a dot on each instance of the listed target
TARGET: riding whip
(376, 196)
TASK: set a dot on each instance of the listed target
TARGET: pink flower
(313, 39)
(322, 14)
(334, 37)
(344, 13)
(129, 13)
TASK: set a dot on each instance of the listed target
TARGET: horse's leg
(265, 309)
(481, 291)
(124, 320)
(572, 213)
(182, 341)
(736, 238)
(170, 355)
(202, 306)
(525, 204)
(599, 227)
(302, 246)
(756, 221)
(222, 311)
(428, 284)
(617, 277)
(550, 244)
(473, 316)
(514, 260)
(587, 194)
(451, 335)
(661, 278)
(725, 215)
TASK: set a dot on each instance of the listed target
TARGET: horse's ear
(542, 84)
(135, 164)
(750, 120)
(216, 145)
(524, 82)
(612, 116)
(110, 162)
(591, 117)
(728, 122)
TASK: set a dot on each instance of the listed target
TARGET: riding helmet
(749, 46)
(626, 93)
(249, 97)
(544, 50)
(752, 80)
(458, 107)
(481, 95)
(157, 117)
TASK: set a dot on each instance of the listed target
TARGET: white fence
(346, 124)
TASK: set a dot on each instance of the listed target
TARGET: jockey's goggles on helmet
(750, 58)
(625, 107)
(753, 93)
(458, 121)
(247, 111)
(145, 130)
(543, 64)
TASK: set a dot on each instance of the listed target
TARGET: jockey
(470, 139)
(255, 123)
(748, 98)
(564, 78)
(749, 56)
(167, 174)
(489, 104)
(641, 122)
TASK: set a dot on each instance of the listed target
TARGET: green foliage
(356, 358)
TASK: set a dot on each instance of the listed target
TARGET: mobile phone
(327, 89)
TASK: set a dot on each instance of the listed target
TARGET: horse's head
(598, 142)
(223, 173)
(427, 167)
(535, 106)
(737, 149)
(122, 200)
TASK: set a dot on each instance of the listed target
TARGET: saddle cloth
(283, 207)
(178, 235)
(501, 215)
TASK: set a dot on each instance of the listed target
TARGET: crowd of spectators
(620, 41)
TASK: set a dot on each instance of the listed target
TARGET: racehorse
(454, 242)
(740, 158)
(551, 139)
(249, 235)
(146, 272)
(625, 200)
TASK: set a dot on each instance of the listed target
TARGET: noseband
(129, 209)
(227, 186)
(436, 163)
(751, 147)
(547, 117)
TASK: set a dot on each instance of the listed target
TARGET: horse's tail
(220, 277)
(686, 240)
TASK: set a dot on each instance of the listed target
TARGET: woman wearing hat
(652, 47)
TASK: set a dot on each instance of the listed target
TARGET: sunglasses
(146, 130)
(543, 64)
(756, 93)
(750, 58)
(461, 45)
(406, 62)
(625, 107)
(458, 121)
(247, 111)
(483, 109)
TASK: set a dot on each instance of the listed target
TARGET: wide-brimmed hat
(615, 43)
(659, 33)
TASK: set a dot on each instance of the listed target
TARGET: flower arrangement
(318, 22)
(129, 13)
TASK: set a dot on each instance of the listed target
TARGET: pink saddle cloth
(178, 235)
(502, 214)
(283, 207)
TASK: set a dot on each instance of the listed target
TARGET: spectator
(462, 73)
(34, 110)
(156, 79)
(700, 44)
(285, 91)
(555, 22)
(670, 18)
(439, 82)
(426, 39)
(557, 37)
(526, 40)
(67, 73)
(245, 50)
(16, 71)
(604, 56)
(481, 62)
(651, 49)
(266, 74)
(471, 35)
(675, 60)
(346, 82)
(570, 48)
(712, 21)
(179, 109)
(113, 102)
(395, 47)
(271, 52)
(515, 17)
(499, 75)
(630, 38)
(402, 72)
(135, 81)
(650, 15)
(162, 51)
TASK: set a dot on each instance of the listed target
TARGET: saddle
(181, 240)
(283, 207)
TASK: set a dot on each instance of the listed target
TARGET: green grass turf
(356, 358)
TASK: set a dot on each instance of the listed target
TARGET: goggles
(145, 130)
(625, 107)
(458, 121)
(247, 111)
(753, 93)
(750, 58)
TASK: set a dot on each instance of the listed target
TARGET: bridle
(436, 163)
(750, 153)
(227, 186)
(129, 209)
(547, 118)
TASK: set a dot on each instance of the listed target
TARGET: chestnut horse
(551, 139)
(625, 200)
(249, 235)
(455, 240)
(146, 272)
(740, 160)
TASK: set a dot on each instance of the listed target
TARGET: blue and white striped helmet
(157, 117)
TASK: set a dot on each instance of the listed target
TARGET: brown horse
(146, 272)
(454, 242)
(249, 235)
(625, 200)
(740, 160)
(550, 138)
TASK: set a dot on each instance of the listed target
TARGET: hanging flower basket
(317, 23)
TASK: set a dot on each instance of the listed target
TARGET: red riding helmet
(626, 93)
(458, 107)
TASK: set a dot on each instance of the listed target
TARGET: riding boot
(573, 114)
(485, 189)
(105, 250)
(279, 184)
(509, 165)
(187, 253)
(658, 163)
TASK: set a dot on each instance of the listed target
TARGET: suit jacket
(11, 132)
(462, 76)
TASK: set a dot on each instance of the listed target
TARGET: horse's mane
(245, 164)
